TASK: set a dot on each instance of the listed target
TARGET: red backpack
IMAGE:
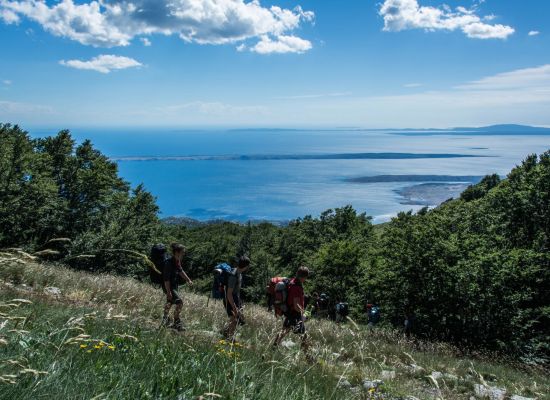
(277, 288)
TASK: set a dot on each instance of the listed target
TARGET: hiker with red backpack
(172, 271)
(294, 308)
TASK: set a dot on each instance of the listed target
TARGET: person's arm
(184, 276)
(168, 290)
(298, 306)
(166, 279)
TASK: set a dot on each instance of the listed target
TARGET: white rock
(414, 369)
(436, 375)
(387, 375)
(344, 383)
(450, 376)
(516, 397)
(288, 344)
(372, 384)
(52, 291)
(489, 392)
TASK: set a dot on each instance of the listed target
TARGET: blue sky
(361, 63)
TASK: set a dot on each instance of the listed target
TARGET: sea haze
(279, 175)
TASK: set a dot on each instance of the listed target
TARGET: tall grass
(100, 338)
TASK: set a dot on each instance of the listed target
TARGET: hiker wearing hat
(232, 298)
(294, 316)
(171, 273)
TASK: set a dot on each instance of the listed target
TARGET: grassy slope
(42, 354)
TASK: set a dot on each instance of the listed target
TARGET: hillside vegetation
(475, 271)
(73, 335)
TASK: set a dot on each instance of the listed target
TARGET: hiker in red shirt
(294, 316)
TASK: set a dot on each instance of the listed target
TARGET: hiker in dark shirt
(232, 298)
(170, 276)
(294, 317)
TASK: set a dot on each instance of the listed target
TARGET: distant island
(503, 129)
(432, 190)
(499, 129)
(414, 178)
(264, 157)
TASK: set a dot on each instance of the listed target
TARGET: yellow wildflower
(97, 347)
(83, 346)
(111, 347)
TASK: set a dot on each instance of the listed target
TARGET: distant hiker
(322, 306)
(232, 282)
(342, 311)
(294, 315)
(410, 319)
(373, 314)
(171, 273)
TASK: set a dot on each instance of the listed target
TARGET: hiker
(294, 316)
(342, 311)
(322, 306)
(409, 323)
(232, 298)
(171, 273)
(373, 314)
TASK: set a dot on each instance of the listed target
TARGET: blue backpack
(374, 315)
(221, 273)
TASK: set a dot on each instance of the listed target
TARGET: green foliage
(475, 270)
(54, 188)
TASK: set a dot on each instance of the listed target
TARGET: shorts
(176, 298)
(228, 307)
(295, 322)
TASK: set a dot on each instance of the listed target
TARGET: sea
(281, 174)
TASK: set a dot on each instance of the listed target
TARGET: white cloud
(7, 82)
(408, 14)
(412, 85)
(109, 23)
(213, 108)
(281, 44)
(8, 16)
(11, 108)
(533, 33)
(146, 42)
(104, 63)
(519, 96)
(537, 78)
(314, 96)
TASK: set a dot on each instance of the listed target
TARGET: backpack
(221, 273)
(342, 309)
(374, 314)
(158, 256)
(280, 294)
(271, 290)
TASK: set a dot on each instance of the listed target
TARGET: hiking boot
(178, 326)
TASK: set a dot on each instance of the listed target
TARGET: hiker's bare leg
(177, 311)
(231, 327)
(167, 308)
(305, 343)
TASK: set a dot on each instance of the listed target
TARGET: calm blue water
(286, 189)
